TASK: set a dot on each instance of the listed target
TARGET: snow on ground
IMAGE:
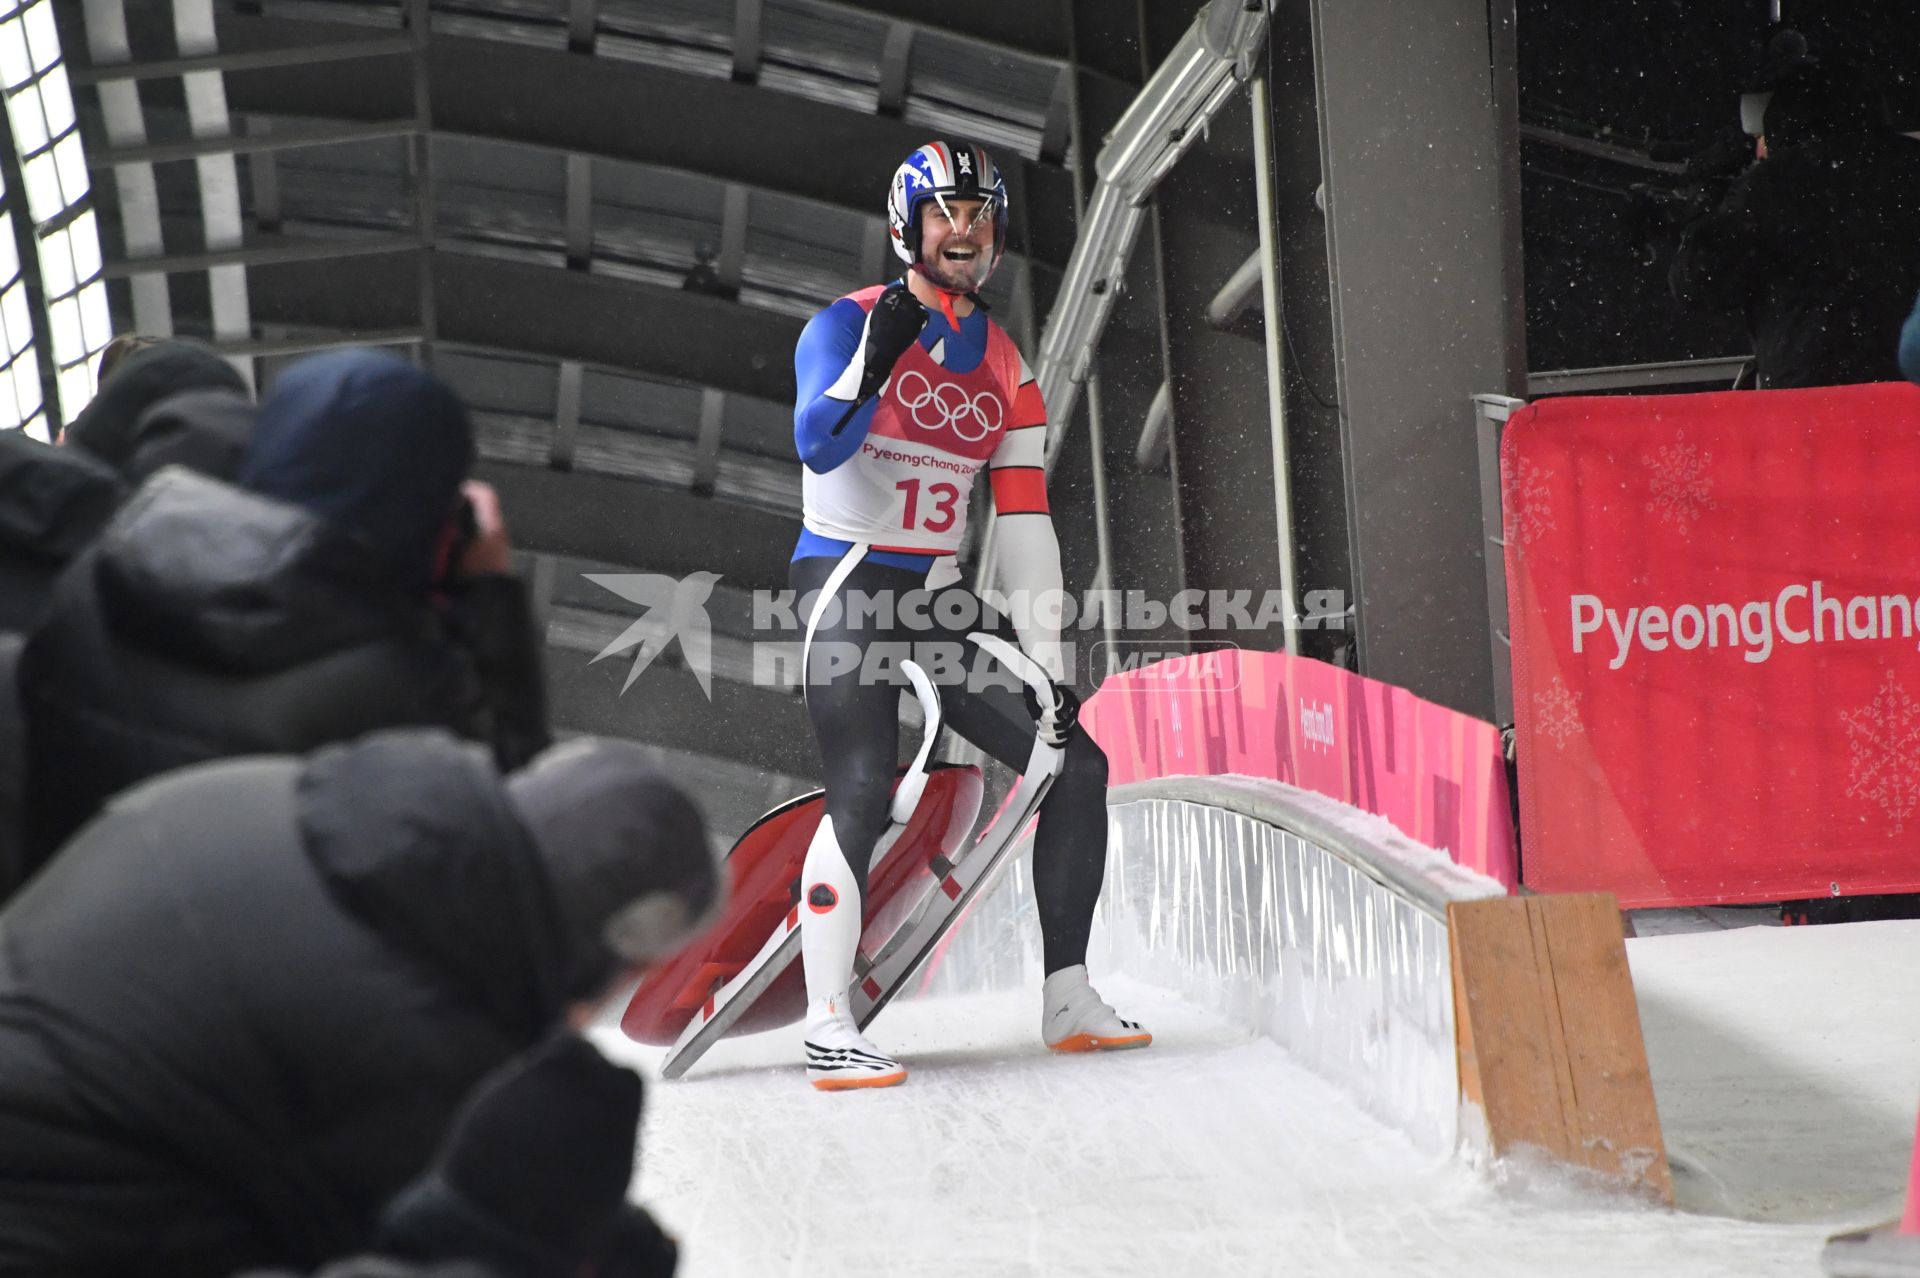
(1786, 1064)
(1210, 1153)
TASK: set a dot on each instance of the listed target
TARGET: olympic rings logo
(948, 407)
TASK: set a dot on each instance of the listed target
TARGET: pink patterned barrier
(1436, 774)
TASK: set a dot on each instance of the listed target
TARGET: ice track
(1210, 1153)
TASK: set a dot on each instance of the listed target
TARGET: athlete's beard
(958, 277)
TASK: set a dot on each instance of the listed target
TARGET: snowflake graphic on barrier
(1883, 752)
(1528, 512)
(1556, 712)
(1681, 486)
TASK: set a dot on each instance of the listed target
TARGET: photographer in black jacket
(350, 581)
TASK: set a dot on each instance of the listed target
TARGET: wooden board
(1548, 1034)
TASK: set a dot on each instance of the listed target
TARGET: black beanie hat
(535, 1168)
(633, 875)
(105, 427)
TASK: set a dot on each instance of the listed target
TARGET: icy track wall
(1296, 913)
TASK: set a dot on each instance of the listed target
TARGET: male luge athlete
(905, 391)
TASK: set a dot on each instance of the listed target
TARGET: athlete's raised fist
(893, 324)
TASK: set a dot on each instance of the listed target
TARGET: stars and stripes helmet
(940, 171)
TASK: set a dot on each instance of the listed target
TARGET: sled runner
(745, 975)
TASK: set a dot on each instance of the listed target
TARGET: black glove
(1057, 724)
(635, 1247)
(893, 325)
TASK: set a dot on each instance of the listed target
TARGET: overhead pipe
(1211, 61)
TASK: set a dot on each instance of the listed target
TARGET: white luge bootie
(1074, 1018)
(839, 1058)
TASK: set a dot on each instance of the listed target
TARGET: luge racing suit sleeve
(1026, 548)
(827, 364)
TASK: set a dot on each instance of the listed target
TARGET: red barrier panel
(1716, 653)
(1436, 774)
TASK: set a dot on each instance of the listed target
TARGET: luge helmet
(940, 171)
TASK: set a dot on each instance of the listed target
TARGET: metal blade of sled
(945, 901)
(966, 866)
(728, 1003)
(948, 897)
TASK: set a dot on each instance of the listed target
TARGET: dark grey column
(1316, 451)
(1416, 188)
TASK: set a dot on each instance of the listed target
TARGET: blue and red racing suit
(884, 513)
(898, 476)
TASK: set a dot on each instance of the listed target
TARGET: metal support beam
(304, 55)
(876, 252)
(1151, 452)
(896, 63)
(545, 572)
(195, 33)
(749, 39)
(1040, 30)
(566, 416)
(536, 309)
(426, 215)
(1242, 290)
(320, 342)
(1490, 418)
(1314, 445)
(1503, 42)
(1273, 331)
(263, 175)
(579, 211)
(609, 520)
(1687, 372)
(124, 120)
(263, 255)
(733, 237)
(1056, 132)
(706, 462)
(286, 140)
(583, 25)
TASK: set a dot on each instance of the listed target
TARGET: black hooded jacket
(1817, 246)
(207, 622)
(106, 427)
(239, 1013)
(204, 430)
(53, 502)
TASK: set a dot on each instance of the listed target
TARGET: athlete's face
(956, 242)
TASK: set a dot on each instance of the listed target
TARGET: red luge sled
(763, 874)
